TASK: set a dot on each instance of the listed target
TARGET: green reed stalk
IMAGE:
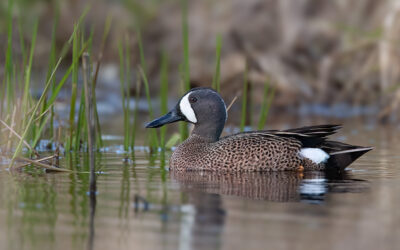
(186, 66)
(142, 69)
(217, 73)
(22, 45)
(124, 92)
(89, 115)
(267, 100)
(164, 94)
(80, 127)
(81, 123)
(26, 97)
(75, 68)
(128, 90)
(143, 64)
(107, 27)
(185, 40)
(99, 139)
(52, 61)
(81, 133)
(153, 133)
(135, 113)
(9, 63)
(38, 133)
(244, 100)
(122, 80)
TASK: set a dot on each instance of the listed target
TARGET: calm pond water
(140, 205)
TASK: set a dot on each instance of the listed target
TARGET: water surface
(141, 205)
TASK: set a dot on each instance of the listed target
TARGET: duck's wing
(310, 136)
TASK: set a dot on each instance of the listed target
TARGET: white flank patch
(316, 155)
(186, 108)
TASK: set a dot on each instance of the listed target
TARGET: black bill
(170, 117)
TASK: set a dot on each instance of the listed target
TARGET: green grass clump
(28, 118)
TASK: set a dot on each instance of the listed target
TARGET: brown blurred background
(324, 58)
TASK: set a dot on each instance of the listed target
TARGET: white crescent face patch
(187, 109)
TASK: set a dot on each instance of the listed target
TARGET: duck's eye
(192, 99)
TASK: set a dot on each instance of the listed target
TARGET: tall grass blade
(185, 41)
(217, 73)
(52, 61)
(89, 114)
(142, 70)
(186, 66)
(81, 133)
(143, 63)
(107, 28)
(135, 113)
(124, 93)
(153, 133)
(9, 64)
(164, 95)
(266, 104)
(244, 100)
(26, 97)
(22, 44)
(128, 90)
(75, 68)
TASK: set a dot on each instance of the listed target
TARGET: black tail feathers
(339, 160)
(342, 154)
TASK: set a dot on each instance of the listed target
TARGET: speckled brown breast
(241, 152)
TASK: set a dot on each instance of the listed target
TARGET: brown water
(140, 205)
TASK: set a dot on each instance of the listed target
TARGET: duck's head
(203, 107)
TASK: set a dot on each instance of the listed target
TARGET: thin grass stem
(244, 101)
(217, 73)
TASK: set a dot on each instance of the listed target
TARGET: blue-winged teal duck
(301, 149)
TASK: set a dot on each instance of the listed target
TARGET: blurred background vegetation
(324, 58)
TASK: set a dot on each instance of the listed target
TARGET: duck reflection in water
(272, 186)
(204, 217)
